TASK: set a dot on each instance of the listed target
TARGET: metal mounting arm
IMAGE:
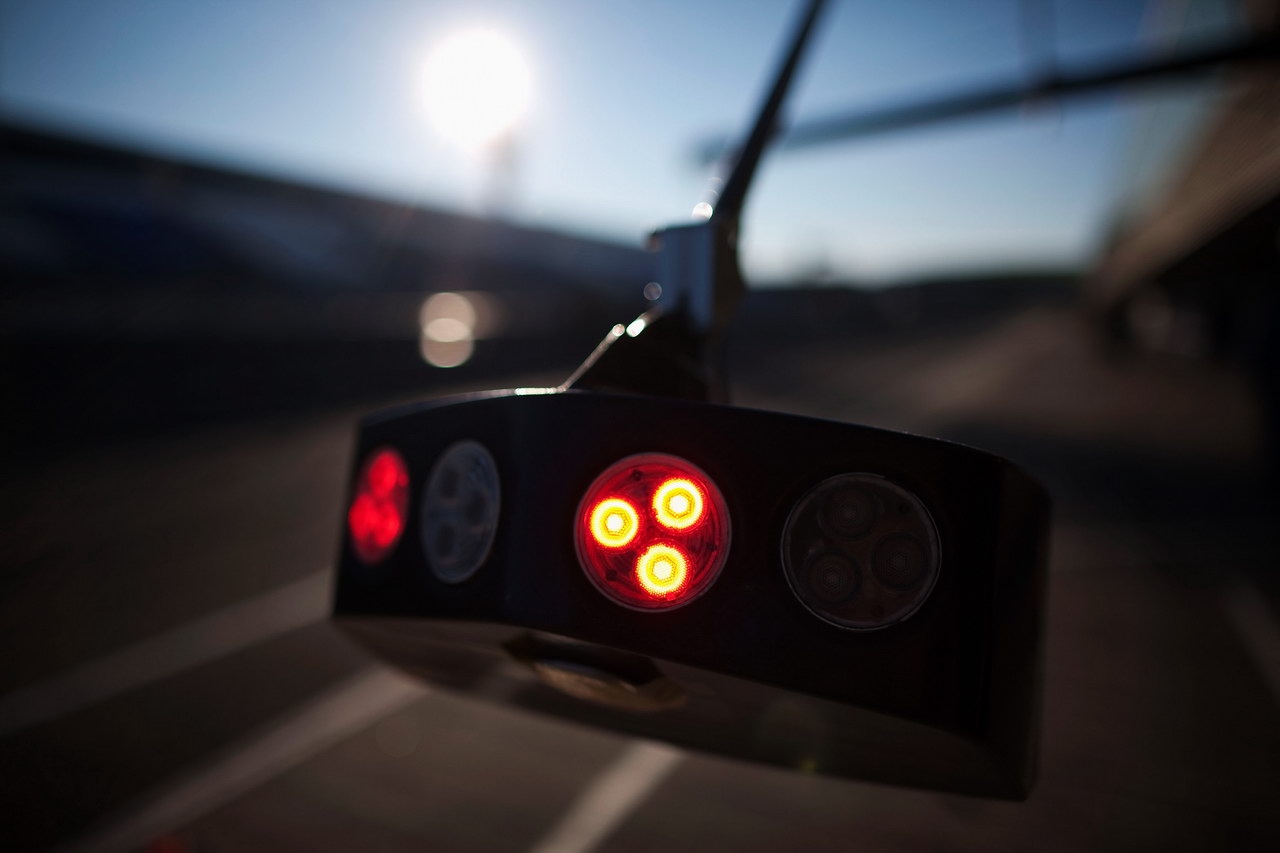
(836, 128)
(675, 349)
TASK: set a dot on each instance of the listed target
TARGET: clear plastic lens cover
(860, 551)
(460, 509)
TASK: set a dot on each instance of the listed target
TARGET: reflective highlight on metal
(461, 506)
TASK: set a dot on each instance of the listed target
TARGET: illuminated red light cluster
(378, 509)
(652, 531)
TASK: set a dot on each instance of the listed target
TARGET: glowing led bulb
(662, 569)
(614, 523)
(678, 504)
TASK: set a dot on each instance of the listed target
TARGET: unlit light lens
(861, 552)
(461, 505)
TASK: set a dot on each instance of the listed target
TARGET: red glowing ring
(614, 523)
(377, 515)
(678, 503)
(652, 532)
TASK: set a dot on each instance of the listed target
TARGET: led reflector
(662, 569)
(614, 523)
(861, 552)
(678, 504)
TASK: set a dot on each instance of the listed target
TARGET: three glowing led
(653, 531)
(678, 505)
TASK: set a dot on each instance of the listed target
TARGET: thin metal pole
(728, 206)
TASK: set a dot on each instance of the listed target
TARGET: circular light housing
(460, 507)
(652, 532)
(860, 551)
(376, 517)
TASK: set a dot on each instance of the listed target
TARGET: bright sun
(477, 86)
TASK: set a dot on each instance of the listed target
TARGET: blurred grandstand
(143, 292)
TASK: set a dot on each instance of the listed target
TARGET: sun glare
(476, 86)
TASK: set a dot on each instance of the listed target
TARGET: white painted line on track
(207, 638)
(1255, 624)
(342, 711)
(610, 798)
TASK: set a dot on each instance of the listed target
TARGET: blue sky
(328, 92)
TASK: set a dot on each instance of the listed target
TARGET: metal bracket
(677, 348)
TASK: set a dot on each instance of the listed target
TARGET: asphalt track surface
(170, 682)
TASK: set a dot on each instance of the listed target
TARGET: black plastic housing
(947, 699)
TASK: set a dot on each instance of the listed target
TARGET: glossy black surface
(944, 699)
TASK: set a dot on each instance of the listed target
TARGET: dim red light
(652, 532)
(376, 518)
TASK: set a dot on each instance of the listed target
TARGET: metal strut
(1049, 86)
(676, 349)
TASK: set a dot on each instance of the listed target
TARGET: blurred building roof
(100, 237)
(1222, 196)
